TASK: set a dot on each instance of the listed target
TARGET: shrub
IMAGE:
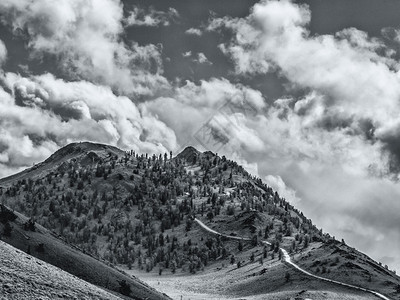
(29, 225)
(124, 288)
(6, 214)
(230, 211)
(287, 276)
(7, 229)
(40, 248)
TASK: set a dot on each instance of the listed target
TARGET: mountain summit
(189, 154)
(195, 216)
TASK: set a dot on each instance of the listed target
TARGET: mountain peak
(190, 154)
(190, 149)
(78, 148)
(83, 151)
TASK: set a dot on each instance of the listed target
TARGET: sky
(305, 94)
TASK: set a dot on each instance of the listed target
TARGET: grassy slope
(332, 260)
(253, 280)
(87, 268)
(348, 265)
(25, 277)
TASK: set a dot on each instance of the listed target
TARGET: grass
(248, 282)
(72, 260)
(25, 277)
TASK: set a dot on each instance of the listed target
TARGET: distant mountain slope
(25, 277)
(70, 152)
(136, 211)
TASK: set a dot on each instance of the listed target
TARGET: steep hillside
(28, 236)
(136, 211)
(25, 277)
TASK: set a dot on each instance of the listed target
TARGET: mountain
(139, 212)
(62, 157)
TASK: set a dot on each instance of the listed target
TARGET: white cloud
(277, 184)
(339, 142)
(44, 113)
(355, 83)
(194, 31)
(191, 106)
(345, 68)
(392, 34)
(151, 17)
(202, 59)
(199, 58)
(3, 52)
(85, 37)
(187, 54)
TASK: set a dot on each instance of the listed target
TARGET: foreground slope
(136, 211)
(25, 277)
(44, 245)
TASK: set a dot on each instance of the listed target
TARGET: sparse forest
(130, 208)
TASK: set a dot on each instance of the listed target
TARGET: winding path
(288, 260)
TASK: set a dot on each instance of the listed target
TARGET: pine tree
(240, 246)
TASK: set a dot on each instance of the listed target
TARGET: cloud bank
(42, 112)
(339, 144)
(84, 37)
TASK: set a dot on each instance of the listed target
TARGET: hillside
(136, 211)
(25, 277)
(20, 232)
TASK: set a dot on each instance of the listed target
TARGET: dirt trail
(286, 258)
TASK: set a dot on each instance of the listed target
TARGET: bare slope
(24, 277)
(42, 244)
(285, 257)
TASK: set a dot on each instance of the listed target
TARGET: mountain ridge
(137, 212)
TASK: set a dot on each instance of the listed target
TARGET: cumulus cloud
(3, 52)
(42, 113)
(187, 54)
(85, 38)
(151, 17)
(202, 59)
(194, 31)
(340, 141)
(199, 58)
(277, 184)
(391, 34)
(216, 106)
(347, 69)
(353, 74)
